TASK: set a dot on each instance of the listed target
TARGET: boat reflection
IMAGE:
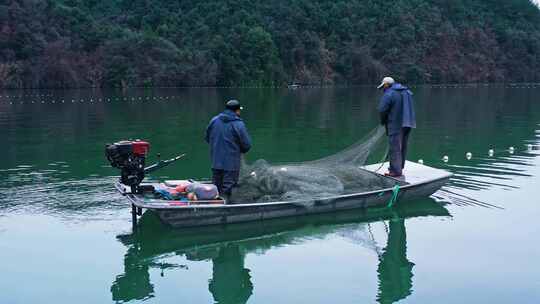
(227, 246)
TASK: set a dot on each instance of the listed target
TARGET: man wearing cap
(396, 109)
(228, 139)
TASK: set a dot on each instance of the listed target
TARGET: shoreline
(307, 86)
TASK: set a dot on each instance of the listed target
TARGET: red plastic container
(141, 148)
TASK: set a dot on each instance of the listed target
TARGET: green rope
(393, 199)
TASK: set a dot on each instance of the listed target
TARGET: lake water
(66, 236)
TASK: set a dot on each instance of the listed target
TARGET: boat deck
(414, 173)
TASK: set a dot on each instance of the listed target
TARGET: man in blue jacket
(228, 139)
(396, 109)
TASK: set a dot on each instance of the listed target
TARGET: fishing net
(334, 175)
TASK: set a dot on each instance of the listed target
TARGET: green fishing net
(334, 175)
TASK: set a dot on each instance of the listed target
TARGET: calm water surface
(66, 237)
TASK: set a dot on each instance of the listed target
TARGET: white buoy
(468, 155)
(445, 158)
(421, 161)
(491, 152)
(253, 174)
(283, 169)
(511, 150)
(529, 147)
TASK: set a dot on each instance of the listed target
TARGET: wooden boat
(419, 181)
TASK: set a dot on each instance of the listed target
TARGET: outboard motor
(129, 157)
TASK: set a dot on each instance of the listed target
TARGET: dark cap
(233, 105)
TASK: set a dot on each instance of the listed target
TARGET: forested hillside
(82, 43)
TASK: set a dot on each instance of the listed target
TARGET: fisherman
(228, 139)
(396, 109)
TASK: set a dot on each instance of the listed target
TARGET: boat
(419, 181)
(293, 86)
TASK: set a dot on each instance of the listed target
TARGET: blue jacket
(228, 138)
(397, 109)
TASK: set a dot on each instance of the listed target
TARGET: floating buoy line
(8, 99)
(446, 195)
(41, 100)
(490, 153)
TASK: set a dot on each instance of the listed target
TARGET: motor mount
(129, 157)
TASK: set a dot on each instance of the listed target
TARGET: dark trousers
(397, 151)
(225, 180)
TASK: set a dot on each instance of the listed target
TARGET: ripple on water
(45, 192)
(484, 174)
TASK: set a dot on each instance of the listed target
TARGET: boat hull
(187, 217)
(423, 182)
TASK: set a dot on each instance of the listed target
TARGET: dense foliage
(74, 43)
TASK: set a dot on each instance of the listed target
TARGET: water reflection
(231, 281)
(227, 246)
(395, 270)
